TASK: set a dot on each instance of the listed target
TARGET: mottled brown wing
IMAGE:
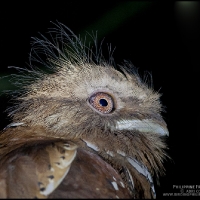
(36, 167)
(34, 171)
(91, 177)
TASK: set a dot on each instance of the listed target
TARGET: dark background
(160, 37)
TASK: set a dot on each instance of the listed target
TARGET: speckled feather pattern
(54, 109)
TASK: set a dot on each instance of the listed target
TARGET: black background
(159, 37)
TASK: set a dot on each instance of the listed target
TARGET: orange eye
(102, 102)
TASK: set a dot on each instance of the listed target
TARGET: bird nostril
(103, 102)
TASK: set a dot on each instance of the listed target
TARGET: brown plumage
(87, 130)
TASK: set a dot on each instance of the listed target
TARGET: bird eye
(102, 102)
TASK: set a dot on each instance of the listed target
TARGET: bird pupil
(103, 102)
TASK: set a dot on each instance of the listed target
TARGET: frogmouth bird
(82, 126)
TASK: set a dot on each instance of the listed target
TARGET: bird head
(109, 109)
